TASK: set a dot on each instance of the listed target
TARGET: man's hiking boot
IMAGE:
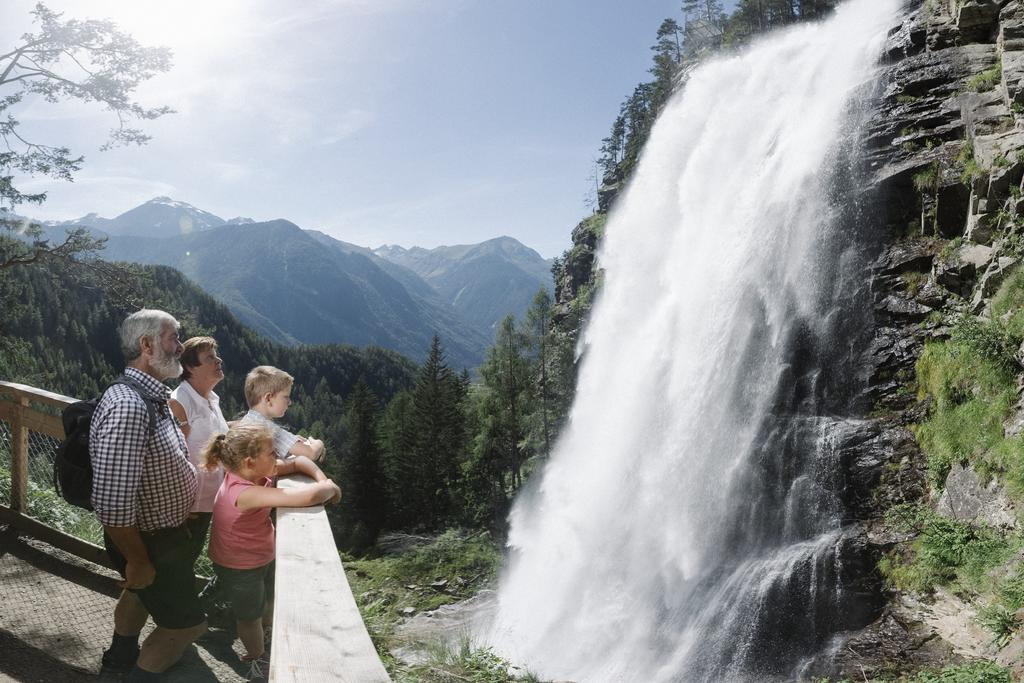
(119, 662)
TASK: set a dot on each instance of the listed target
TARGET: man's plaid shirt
(139, 480)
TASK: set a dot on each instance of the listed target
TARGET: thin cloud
(347, 125)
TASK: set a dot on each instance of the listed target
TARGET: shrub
(946, 552)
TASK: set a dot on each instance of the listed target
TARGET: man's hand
(138, 575)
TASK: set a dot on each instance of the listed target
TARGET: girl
(242, 539)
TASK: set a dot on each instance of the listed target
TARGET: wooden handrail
(319, 634)
(16, 410)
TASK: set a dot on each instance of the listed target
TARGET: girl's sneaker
(259, 667)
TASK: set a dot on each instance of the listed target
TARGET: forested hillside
(63, 337)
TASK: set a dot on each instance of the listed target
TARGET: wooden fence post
(19, 457)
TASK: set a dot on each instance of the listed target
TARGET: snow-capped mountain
(159, 217)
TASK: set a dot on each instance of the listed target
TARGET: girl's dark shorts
(171, 599)
(248, 590)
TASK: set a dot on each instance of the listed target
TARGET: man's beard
(167, 365)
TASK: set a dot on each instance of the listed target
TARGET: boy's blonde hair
(263, 380)
(243, 440)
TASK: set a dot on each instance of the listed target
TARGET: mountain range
(305, 287)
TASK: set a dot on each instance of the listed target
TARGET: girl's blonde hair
(243, 440)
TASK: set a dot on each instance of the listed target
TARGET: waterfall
(689, 525)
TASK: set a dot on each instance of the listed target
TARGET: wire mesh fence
(42, 501)
(5, 463)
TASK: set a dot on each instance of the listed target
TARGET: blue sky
(377, 121)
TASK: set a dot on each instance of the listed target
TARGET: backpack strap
(150, 401)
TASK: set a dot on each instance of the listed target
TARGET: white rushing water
(688, 526)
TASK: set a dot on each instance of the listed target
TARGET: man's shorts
(172, 599)
(199, 526)
(248, 590)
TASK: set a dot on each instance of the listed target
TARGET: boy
(268, 393)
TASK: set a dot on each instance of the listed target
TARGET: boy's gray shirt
(283, 439)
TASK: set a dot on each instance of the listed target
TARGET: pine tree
(362, 472)
(433, 437)
(397, 434)
(506, 375)
(708, 10)
(667, 57)
(538, 335)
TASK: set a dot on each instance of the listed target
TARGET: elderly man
(143, 489)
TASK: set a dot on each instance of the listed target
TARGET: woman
(197, 409)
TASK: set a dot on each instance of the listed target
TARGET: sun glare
(185, 26)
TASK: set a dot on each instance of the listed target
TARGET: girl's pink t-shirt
(240, 539)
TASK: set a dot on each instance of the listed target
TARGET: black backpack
(72, 466)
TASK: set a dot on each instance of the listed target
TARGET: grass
(463, 662)
(451, 568)
(951, 250)
(999, 616)
(924, 181)
(971, 381)
(913, 281)
(987, 79)
(971, 170)
(973, 672)
(46, 506)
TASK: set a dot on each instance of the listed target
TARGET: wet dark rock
(882, 464)
(892, 642)
(932, 294)
(897, 307)
(951, 207)
(906, 256)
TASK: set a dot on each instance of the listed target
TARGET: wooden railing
(319, 634)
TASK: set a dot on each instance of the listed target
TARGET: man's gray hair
(147, 322)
